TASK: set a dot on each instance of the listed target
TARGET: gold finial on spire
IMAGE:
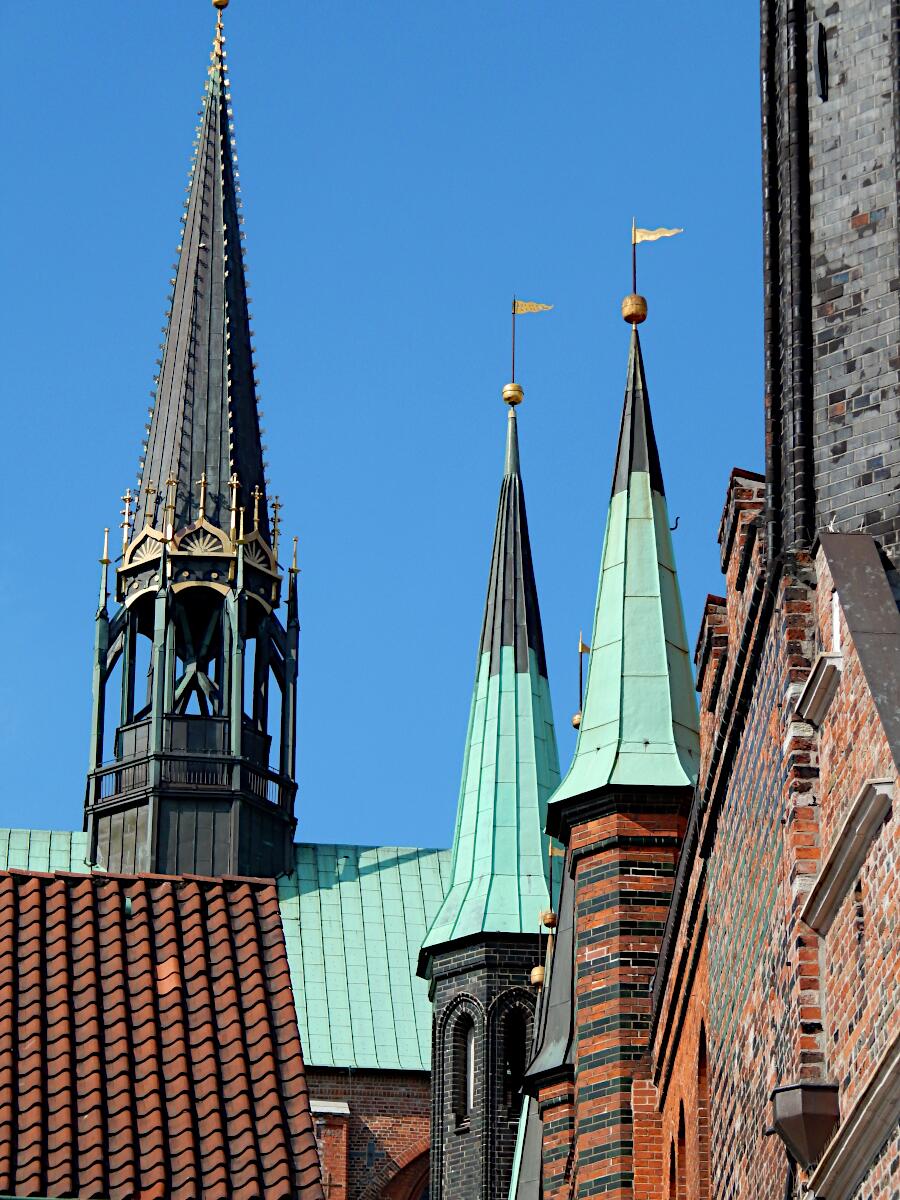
(127, 500)
(203, 482)
(513, 394)
(221, 5)
(256, 494)
(294, 566)
(241, 526)
(105, 560)
(276, 525)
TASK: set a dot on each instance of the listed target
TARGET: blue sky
(406, 167)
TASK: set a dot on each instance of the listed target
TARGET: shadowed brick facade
(750, 960)
(831, 136)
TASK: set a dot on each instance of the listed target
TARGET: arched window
(463, 1069)
(703, 1117)
(681, 1160)
(515, 1058)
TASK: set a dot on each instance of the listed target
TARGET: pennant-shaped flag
(527, 306)
(652, 235)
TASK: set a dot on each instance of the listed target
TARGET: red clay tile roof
(148, 1041)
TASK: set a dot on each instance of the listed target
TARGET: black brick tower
(831, 144)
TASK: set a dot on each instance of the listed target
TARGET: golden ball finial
(220, 4)
(576, 721)
(513, 394)
(537, 976)
(634, 309)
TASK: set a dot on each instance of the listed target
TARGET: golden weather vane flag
(519, 307)
(651, 235)
(636, 305)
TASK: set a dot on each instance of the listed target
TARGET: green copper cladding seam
(639, 723)
(499, 871)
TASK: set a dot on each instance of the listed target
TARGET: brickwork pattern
(389, 1121)
(777, 1002)
(557, 1110)
(624, 868)
(853, 161)
(860, 951)
(882, 1181)
(478, 983)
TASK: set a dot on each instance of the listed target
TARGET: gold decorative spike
(127, 500)
(202, 481)
(257, 495)
(276, 525)
(104, 571)
(171, 490)
(241, 526)
(233, 484)
(294, 566)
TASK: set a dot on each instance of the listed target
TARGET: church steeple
(510, 765)
(196, 781)
(205, 418)
(639, 721)
(480, 949)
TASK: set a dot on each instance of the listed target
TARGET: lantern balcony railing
(196, 756)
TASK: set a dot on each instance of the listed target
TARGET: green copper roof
(639, 723)
(498, 879)
(354, 918)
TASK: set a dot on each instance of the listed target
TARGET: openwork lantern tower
(198, 775)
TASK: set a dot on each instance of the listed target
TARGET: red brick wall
(388, 1128)
(624, 870)
(777, 1003)
(861, 951)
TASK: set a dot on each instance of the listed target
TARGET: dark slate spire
(511, 616)
(205, 418)
(637, 444)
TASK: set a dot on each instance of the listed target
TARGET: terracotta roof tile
(160, 1012)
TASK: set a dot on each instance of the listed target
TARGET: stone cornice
(862, 1133)
(847, 854)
